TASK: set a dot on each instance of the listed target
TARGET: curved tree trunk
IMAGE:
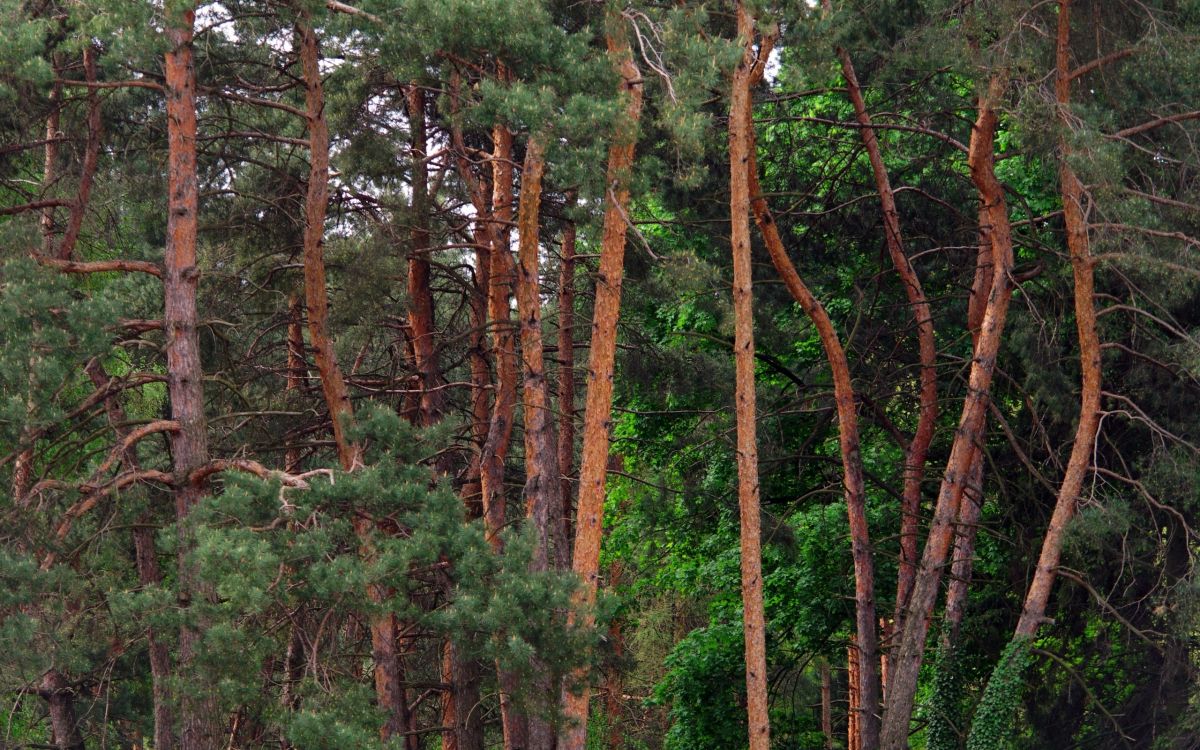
(1089, 347)
(389, 690)
(868, 688)
(906, 663)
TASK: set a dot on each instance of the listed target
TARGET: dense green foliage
(284, 568)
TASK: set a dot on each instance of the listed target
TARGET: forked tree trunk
(741, 141)
(917, 451)
(906, 663)
(597, 415)
(199, 721)
(1082, 265)
(866, 712)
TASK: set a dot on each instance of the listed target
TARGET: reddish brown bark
(295, 368)
(420, 294)
(868, 684)
(389, 690)
(542, 476)
(185, 384)
(91, 158)
(597, 416)
(918, 447)
(906, 662)
(502, 276)
(1082, 264)
(566, 387)
(741, 141)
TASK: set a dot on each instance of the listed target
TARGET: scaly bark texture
(745, 407)
(543, 480)
(542, 476)
(905, 664)
(1089, 346)
(597, 415)
(199, 728)
(389, 690)
(868, 683)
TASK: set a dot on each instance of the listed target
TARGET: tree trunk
(60, 699)
(753, 621)
(1082, 265)
(597, 415)
(868, 687)
(543, 480)
(906, 663)
(826, 703)
(389, 690)
(502, 273)
(199, 728)
(420, 294)
(566, 388)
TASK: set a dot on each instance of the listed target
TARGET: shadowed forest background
(581, 374)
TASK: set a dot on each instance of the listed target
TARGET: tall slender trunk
(464, 675)
(389, 689)
(868, 687)
(420, 294)
(741, 141)
(502, 278)
(917, 451)
(91, 160)
(597, 415)
(543, 480)
(501, 273)
(566, 388)
(199, 727)
(1082, 265)
(543, 483)
(906, 663)
(295, 369)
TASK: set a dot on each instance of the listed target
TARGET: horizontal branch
(350, 10)
(101, 266)
(135, 83)
(34, 206)
(1099, 62)
(1156, 123)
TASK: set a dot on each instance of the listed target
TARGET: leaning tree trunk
(745, 408)
(597, 415)
(389, 689)
(905, 665)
